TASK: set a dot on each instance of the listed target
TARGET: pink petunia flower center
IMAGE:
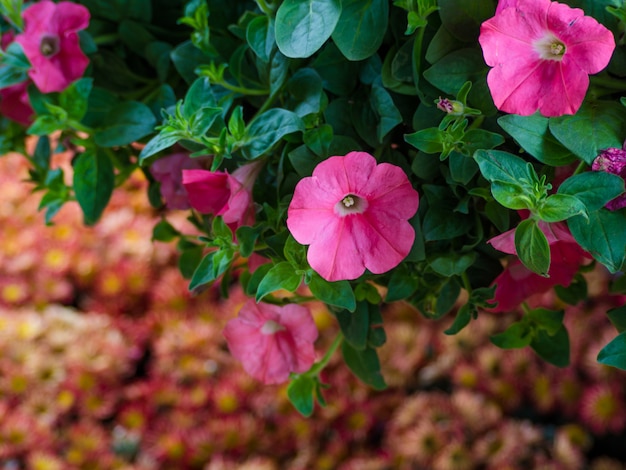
(270, 327)
(550, 47)
(50, 45)
(351, 204)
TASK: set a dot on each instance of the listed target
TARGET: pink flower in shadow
(220, 193)
(272, 341)
(517, 283)
(354, 215)
(168, 171)
(14, 101)
(542, 53)
(50, 42)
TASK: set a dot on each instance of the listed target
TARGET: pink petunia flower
(220, 193)
(272, 341)
(517, 283)
(354, 215)
(542, 53)
(168, 171)
(50, 42)
(613, 161)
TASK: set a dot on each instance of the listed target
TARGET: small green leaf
(204, 272)
(125, 123)
(532, 247)
(593, 188)
(355, 325)
(518, 335)
(303, 26)
(281, 276)
(94, 180)
(75, 97)
(618, 318)
(267, 129)
(552, 348)
(614, 353)
(558, 207)
(339, 293)
(462, 319)
(301, 394)
(364, 364)
(164, 231)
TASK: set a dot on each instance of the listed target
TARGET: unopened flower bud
(453, 107)
(612, 160)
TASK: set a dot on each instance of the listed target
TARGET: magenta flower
(50, 42)
(517, 283)
(272, 341)
(168, 171)
(613, 160)
(220, 193)
(542, 53)
(354, 215)
(14, 101)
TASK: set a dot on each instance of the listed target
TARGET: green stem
(580, 168)
(106, 39)
(318, 367)
(242, 90)
(266, 8)
(466, 283)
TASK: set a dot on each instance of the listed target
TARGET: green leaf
(549, 320)
(533, 135)
(463, 19)
(267, 129)
(164, 231)
(364, 364)
(496, 165)
(552, 348)
(361, 27)
(94, 180)
(199, 95)
(462, 319)
(511, 196)
(187, 57)
(189, 260)
(165, 139)
(618, 318)
(603, 236)
(281, 276)
(558, 207)
(305, 92)
(339, 293)
(593, 188)
(301, 394)
(518, 335)
(260, 37)
(303, 26)
(596, 126)
(532, 247)
(125, 123)
(427, 140)
(204, 272)
(355, 325)
(452, 264)
(75, 97)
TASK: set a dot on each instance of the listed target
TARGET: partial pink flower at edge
(220, 193)
(354, 215)
(541, 54)
(613, 160)
(168, 171)
(14, 101)
(51, 44)
(272, 341)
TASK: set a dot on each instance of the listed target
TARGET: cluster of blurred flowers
(119, 367)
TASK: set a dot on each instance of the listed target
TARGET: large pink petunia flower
(354, 215)
(542, 53)
(168, 171)
(517, 283)
(220, 193)
(272, 341)
(50, 42)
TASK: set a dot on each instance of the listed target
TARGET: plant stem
(318, 367)
(580, 168)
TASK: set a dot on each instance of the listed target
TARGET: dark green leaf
(593, 188)
(355, 325)
(554, 349)
(618, 318)
(267, 129)
(94, 180)
(301, 394)
(281, 276)
(365, 365)
(339, 294)
(532, 247)
(361, 27)
(125, 123)
(516, 336)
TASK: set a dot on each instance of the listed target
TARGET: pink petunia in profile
(542, 53)
(272, 341)
(220, 193)
(51, 44)
(517, 283)
(354, 215)
(613, 160)
(168, 171)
